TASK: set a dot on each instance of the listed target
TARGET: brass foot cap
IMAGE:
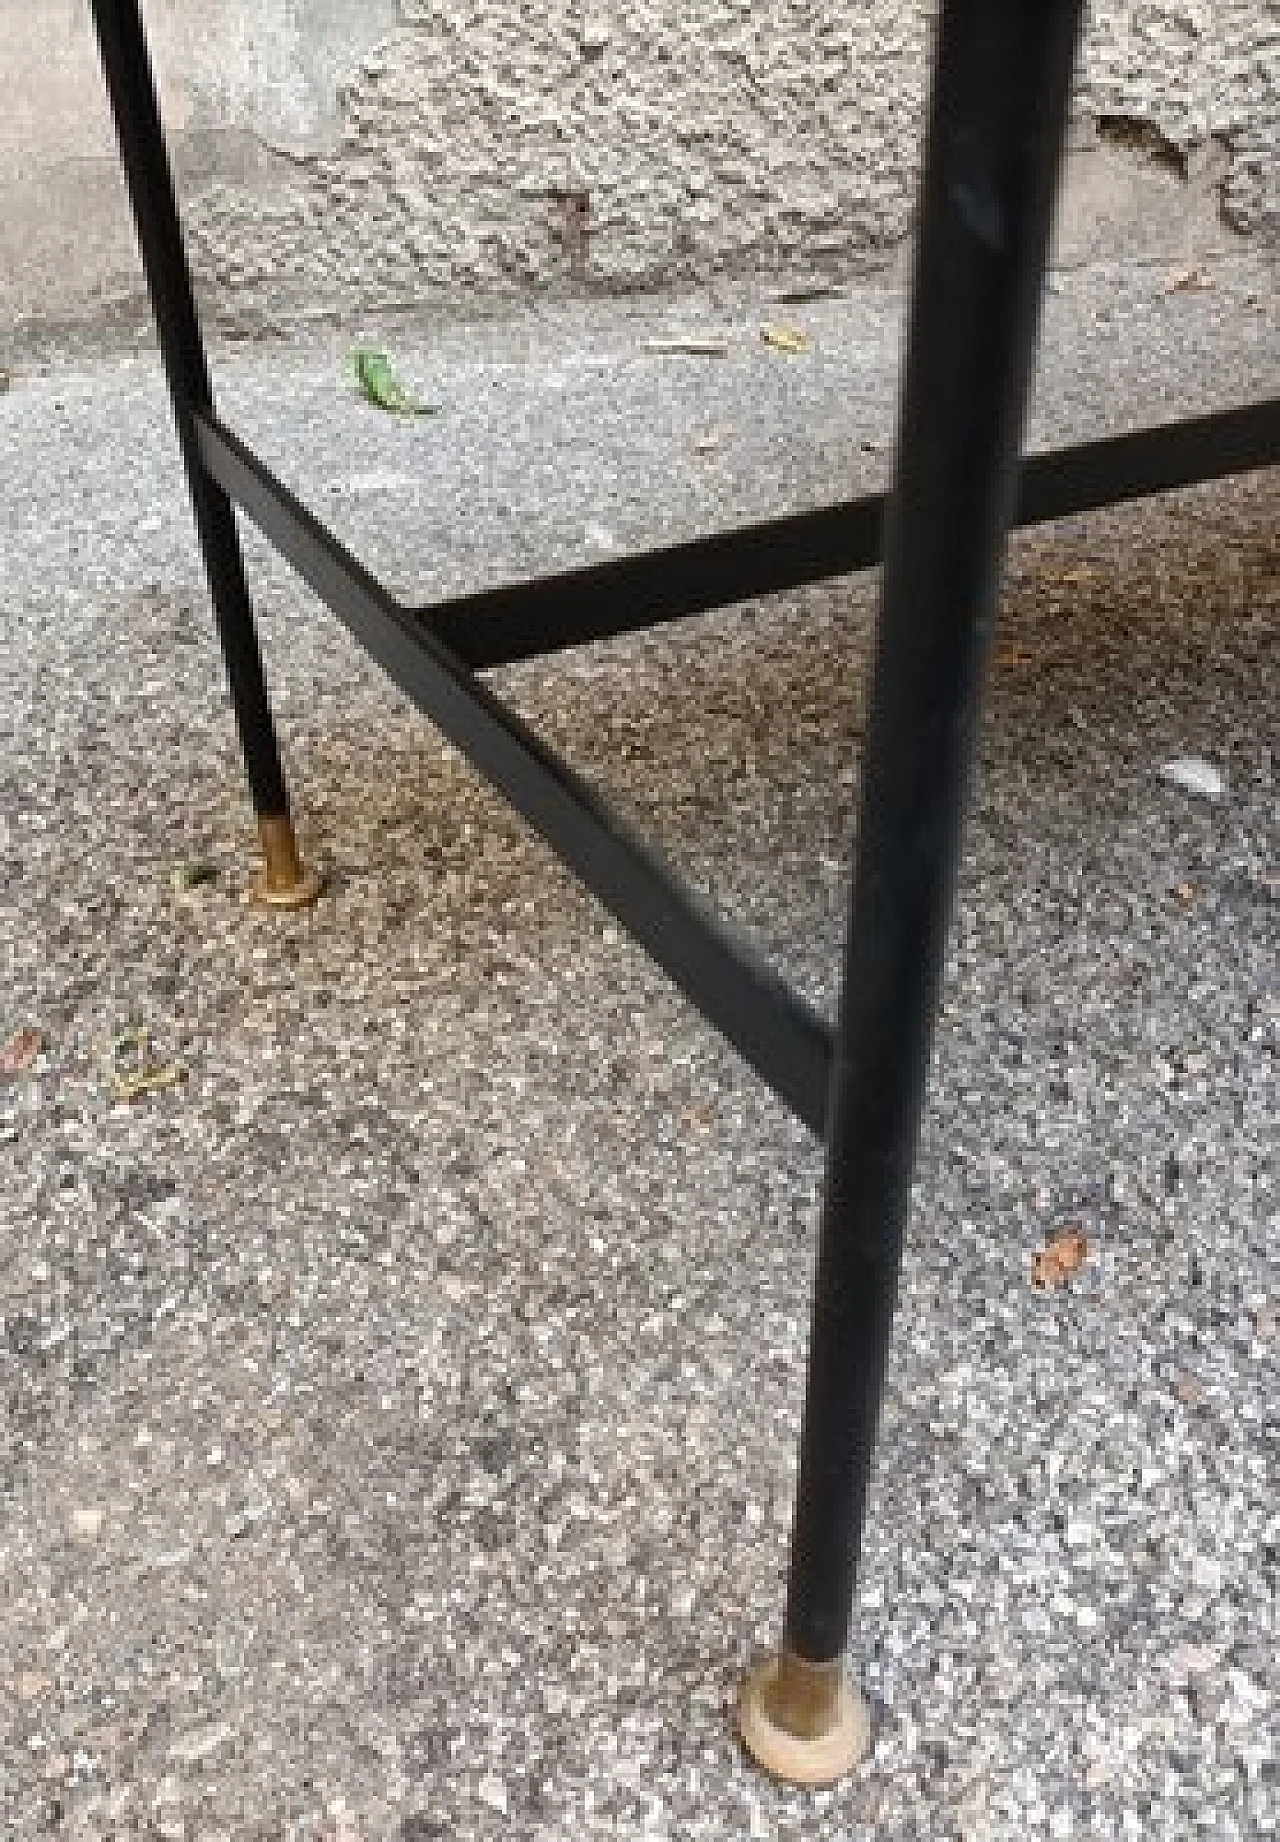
(283, 883)
(298, 894)
(827, 1735)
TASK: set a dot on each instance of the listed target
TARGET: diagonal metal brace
(778, 1032)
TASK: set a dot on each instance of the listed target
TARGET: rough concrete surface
(349, 155)
(400, 1409)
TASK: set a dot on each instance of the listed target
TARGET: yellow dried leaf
(127, 1088)
(790, 339)
(134, 1073)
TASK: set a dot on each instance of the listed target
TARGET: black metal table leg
(130, 84)
(997, 122)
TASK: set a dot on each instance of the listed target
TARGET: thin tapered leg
(1001, 88)
(131, 87)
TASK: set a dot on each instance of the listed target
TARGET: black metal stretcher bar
(776, 1031)
(525, 620)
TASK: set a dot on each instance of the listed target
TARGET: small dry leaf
(789, 339)
(1010, 655)
(806, 291)
(128, 1088)
(690, 347)
(1186, 892)
(1062, 1256)
(711, 441)
(134, 1074)
(20, 1052)
(1192, 281)
(31, 1685)
(193, 873)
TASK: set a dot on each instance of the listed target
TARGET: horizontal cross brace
(525, 619)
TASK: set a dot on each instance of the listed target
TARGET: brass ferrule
(283, 883)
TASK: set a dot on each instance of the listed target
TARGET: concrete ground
(401, 1399)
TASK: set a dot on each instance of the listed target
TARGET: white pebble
(493, 1792)
(1206, 1573)
(1195, 775)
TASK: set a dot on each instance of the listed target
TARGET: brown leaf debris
(1061, 1257)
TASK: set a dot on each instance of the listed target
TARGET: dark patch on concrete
(1142, 137)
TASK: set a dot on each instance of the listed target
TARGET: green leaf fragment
(193, 873)
(376, 377)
